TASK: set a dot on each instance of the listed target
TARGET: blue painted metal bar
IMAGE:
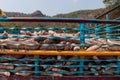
(89, 30)
(64, 20)
(107, 28)
(96, 29)
(82, 34)
(81, 66)
(118, 63)
(36, 65)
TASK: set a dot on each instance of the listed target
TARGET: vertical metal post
(36, 71)
(118, 65)
(82, 44)
(81, 65)
(96, 31)
(89, 30)
(107, 28)
(107, 16)
(82, 35)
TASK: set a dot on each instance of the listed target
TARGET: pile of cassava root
(70, 44)
(94, 66)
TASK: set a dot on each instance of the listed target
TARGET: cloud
(75, 1)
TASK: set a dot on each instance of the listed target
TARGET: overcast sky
(49, 7)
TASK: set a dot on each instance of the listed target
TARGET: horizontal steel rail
(63, 53)
(63, 20)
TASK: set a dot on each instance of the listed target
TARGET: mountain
(82, 14)
(38, 13)
(75, 14)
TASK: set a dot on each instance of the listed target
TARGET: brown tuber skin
(56, 74)
(23, 68)
(23, 74)
(76, 48)
(7, 67)
(93, 48)
(114, 48)
(4, 72)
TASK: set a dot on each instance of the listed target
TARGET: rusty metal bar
(64, 53)
(64, 20)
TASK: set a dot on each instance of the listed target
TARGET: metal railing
(65, 63)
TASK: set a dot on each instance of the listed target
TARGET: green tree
(111, 3)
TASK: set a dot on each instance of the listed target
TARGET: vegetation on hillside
(111, 4)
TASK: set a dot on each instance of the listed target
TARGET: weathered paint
(63, 53)
(63, 20)
(62, 78)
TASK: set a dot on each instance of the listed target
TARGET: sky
(49, 7)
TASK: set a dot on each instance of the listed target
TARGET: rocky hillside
(37, 13)
(82, 14)
(75, 14)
